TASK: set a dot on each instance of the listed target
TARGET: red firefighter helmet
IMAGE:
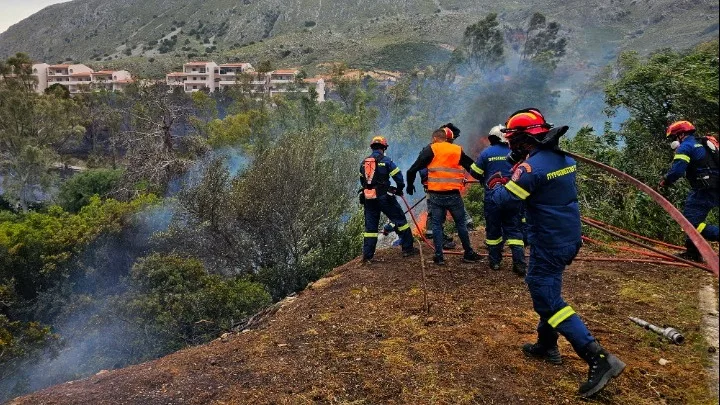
(679, 128)
(378, 142)
(529, 121)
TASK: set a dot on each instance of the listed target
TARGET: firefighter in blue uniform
(501, 225)
(696, 159)
(545, 182)
(375, 174)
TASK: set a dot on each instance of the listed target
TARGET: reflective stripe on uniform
(445, 169)
(524, 220)
(476, 169)
(370, 235)
(461, 181)
(394, 172)
(701, 227)
(404, 227)
(682, 157)
(520, 192)
(560, 316)
(515, 242)
(494, 242)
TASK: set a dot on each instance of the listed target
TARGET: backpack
(369, 167)
(709, 175)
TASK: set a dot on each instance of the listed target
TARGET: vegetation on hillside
(199, 210)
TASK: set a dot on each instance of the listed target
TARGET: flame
(421, 222)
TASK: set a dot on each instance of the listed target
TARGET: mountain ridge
(305, 32)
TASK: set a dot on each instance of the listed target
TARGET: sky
(13, 11)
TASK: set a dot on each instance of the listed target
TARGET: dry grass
(361, 336)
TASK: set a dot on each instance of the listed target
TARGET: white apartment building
(79, 78)
(229, 74)
(195, 76)
(209, 76)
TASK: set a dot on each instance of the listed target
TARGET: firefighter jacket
(445, 163)
(545, 182)
(384, 170)
(493, 160)
(696, 162)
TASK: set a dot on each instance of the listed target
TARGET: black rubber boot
(471, 257)
(410, 252)
(494, 266)
(551, 355)
(439, 260)
(520, 269)
(691, 253)
(603, 367)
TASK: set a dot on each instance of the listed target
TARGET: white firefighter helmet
(496, 131)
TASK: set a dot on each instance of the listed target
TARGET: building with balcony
(79, 78)
(211, 77)
(232, 74)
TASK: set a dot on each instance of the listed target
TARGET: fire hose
(625, 231)
(703, 246)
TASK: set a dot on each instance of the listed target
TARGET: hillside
(381, 33)
(360, 336)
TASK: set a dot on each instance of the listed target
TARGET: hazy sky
(12, 11)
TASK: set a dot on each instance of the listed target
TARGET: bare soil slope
(360, 336)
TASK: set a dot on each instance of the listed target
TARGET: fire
(422, 222)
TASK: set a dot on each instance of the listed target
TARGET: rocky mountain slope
(368, 32)
(360, 335)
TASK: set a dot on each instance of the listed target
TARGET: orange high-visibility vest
(445, 172)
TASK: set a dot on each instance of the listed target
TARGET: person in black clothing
(446, 164)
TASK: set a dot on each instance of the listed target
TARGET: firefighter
(501, 226)
(697, 159)
(378, 196)
(544, 181)
(445, 163)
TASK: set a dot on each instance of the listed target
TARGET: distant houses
(211, 77)
(205, 76)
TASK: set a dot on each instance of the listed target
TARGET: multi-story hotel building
(79, 78)
(209, 76)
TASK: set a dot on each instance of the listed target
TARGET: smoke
(90, 339)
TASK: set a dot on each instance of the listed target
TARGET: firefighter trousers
(697, 207)
(544, 280)
(502, 226)
(389, 206)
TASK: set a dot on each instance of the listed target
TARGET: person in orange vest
(446, 164)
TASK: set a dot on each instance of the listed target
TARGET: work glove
(410, 189)
(387, 229)
(515, 157)
(496, 180)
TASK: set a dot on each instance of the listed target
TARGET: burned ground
(361, 336)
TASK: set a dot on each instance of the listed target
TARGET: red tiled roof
(284, 71)
(234, 64)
